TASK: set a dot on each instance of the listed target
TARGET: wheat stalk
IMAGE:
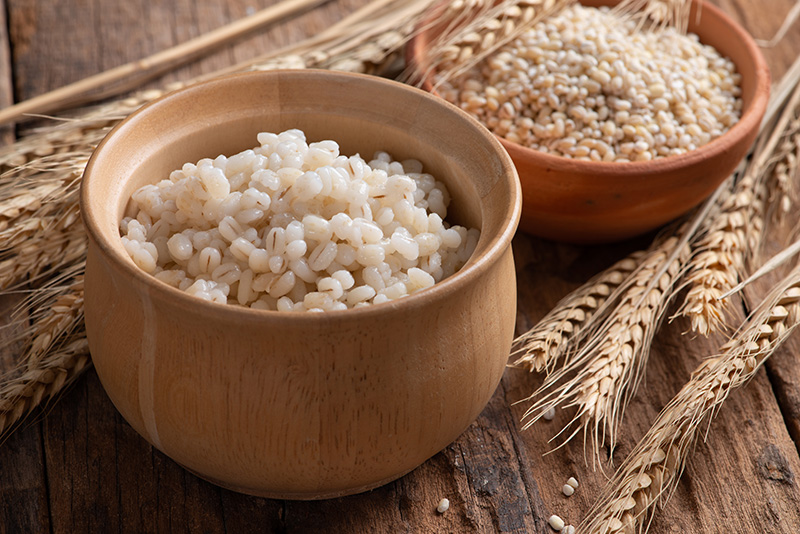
(651, 472)
(721, 255)
(54, 372)
(733, 235)
(157, 63)
(606, 371)
(544, 346)
(473, 30)
(55, 351)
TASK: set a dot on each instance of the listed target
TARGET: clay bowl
(594, 202)
(301, 405)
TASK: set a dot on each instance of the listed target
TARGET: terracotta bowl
(301, 405)
(593, 202)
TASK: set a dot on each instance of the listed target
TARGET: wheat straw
(49, 327)
(721, 255)
(651, 472)
(57, 370)
(733, 235)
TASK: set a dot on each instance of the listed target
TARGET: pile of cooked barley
(589, 84)
(292, 226)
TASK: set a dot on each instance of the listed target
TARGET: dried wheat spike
(480, 28)
(722, 254)
(781, 182)
(41, 244)
(57, 317)
(40, 188)
(651, 472)
(541, 348)
(54, 373)
(674, 13)
(54, 345)
(604, 374)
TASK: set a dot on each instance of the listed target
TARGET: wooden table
(78, 467)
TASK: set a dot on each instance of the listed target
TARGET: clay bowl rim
(475, 267)
(750, 119)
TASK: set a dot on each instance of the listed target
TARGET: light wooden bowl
(593, 202)
(301, 405)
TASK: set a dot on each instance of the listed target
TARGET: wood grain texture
(78, 467)
(6, 78)
(56, 43)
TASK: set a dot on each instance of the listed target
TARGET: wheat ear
(547, 343)
(473, 30)
(55, 349)
(673, 13)
(605, 373)
(733, 234)
(42, 244)
(721, 256)
(782, 185)
(652, 470)
(21, 394)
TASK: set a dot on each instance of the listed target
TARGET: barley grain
(556, 523)
(443, 506)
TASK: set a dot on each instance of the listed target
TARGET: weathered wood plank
(784, 374)
(57, 43)
(104, 477)
(6, 79)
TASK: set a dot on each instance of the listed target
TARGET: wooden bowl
(301, 405)
(593, 202)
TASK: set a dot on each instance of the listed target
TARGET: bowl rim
(475, 267)
(749, 120)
